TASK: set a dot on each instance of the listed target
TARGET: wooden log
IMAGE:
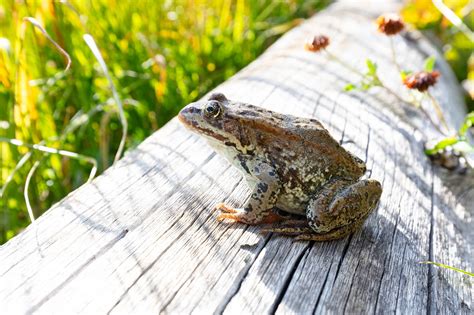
(142, 238)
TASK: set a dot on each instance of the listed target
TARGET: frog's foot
(223, 208)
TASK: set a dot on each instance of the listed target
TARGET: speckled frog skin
(292, 165)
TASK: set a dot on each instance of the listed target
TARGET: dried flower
(421, 81)
(390, 24)
(317, 43)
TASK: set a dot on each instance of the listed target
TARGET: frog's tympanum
(292, 165)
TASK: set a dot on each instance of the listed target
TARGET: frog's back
(306, 157)
(301, 143)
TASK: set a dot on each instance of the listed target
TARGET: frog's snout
(187, 115)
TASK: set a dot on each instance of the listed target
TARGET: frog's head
(218, 120)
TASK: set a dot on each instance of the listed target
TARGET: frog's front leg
(258, 208)
(340, 208)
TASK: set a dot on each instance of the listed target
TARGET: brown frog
(292, 165)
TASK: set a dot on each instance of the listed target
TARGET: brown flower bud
(421, 81)
(390, 24)
(317, 43)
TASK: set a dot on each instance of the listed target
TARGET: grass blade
(95, 50)
(448, 267)
(25, 191)
(18, 165)
(453, 18)
(48, 150)
(43, 148)
(59, 48)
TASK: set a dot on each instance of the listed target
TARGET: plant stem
(343, 63)
(389, 90)
(394, 56)
(438, 110)
(431, 120)
(418, 105)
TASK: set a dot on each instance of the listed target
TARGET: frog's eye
(212, 109)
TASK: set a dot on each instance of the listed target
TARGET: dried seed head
(390, 24)
(317, 43)
(421, 81)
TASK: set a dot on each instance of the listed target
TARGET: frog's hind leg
(341, 207)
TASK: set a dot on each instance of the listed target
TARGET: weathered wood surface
(142, 239)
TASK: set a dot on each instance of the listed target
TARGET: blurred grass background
(161, 56)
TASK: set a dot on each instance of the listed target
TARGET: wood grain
(142, 238)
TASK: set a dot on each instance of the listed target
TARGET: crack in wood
(431, 308)
(288, 279)
(240, 279)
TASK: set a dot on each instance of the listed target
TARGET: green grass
(161, 55)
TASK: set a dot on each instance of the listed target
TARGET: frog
(303, 183)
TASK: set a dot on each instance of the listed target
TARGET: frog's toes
(226, 216)
(225, 209)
